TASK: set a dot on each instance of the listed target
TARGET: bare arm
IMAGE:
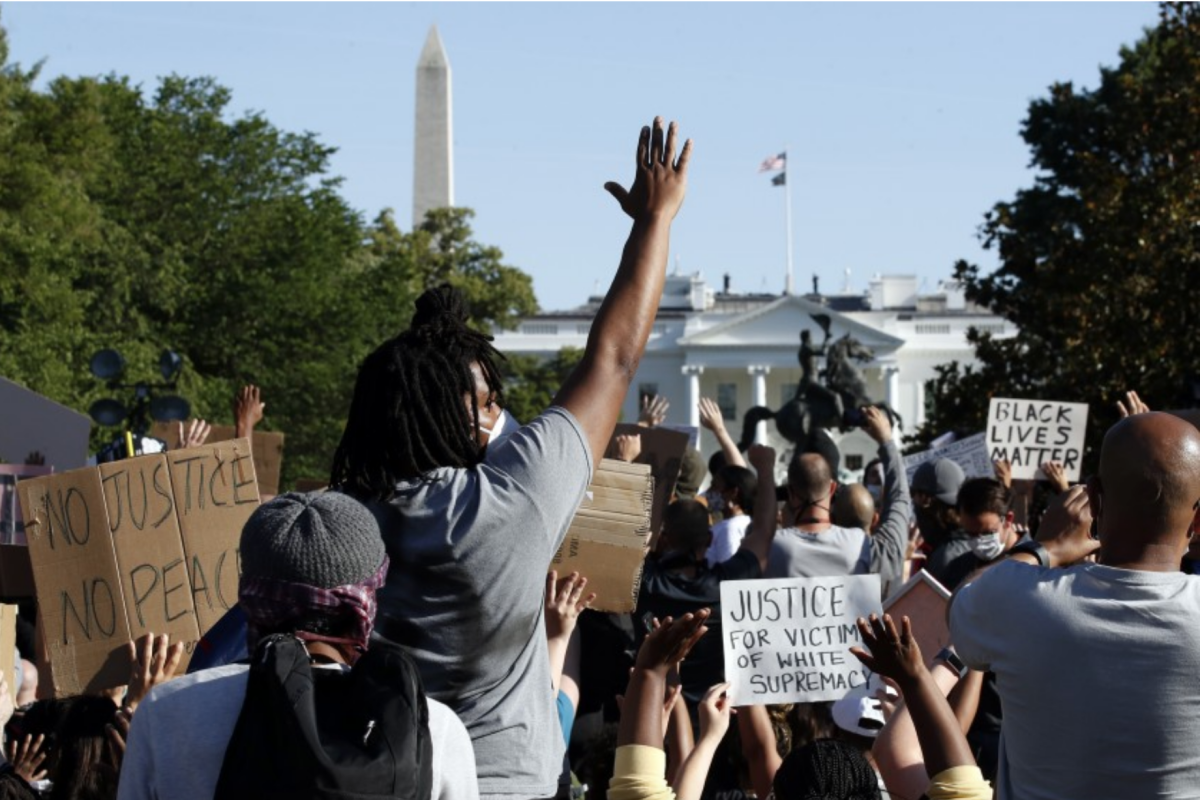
(710, 417)
(642, 712)
(761, 533)
(597, 387)
(940, 742)
(758, 747)
(964, 699)
(680, 741)
(714, 722)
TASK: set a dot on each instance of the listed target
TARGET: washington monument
(433, 149)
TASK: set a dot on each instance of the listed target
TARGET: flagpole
(787, 204)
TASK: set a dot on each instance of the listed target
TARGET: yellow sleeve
(640, 774)
(958, 783)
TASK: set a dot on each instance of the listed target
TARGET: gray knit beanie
(322, 539)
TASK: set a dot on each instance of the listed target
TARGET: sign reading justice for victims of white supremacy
(788, 640)
(1028, 433)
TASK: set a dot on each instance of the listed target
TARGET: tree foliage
(145, 222)
(1099, 265)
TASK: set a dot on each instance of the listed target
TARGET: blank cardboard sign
(923, 600)
(138, 545)
(607, 540)
(33, 422)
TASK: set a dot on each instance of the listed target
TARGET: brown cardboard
(662, 450)
(79, 587)
(923, 600)
(16, 573)
(268, 450)
(12, 526)
(215, 493)
(138, 545)
(608, 537)
(8, 646)
(149, 547)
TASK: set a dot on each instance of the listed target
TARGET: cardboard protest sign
(923, 600)
(788, 640)
(33, 422)
(607, 540)
(133, 546)
(970, 453)
(662, 450)
(1028, 433)
(267, 449)
(12, 527)
(8, 645)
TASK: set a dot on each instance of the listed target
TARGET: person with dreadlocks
(470, 530)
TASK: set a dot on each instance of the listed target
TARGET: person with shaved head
(814, 546)
(1098, 663)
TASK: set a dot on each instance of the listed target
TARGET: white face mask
(503, 427)
(988, 546)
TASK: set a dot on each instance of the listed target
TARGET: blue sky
(902, 119)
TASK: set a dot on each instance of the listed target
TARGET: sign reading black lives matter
(1028, 433)
(788, 640)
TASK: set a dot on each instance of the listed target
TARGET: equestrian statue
(837, 403)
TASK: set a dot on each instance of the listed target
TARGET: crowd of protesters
(403, 637)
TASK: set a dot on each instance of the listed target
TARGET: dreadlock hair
(826, 770)
(407, 417)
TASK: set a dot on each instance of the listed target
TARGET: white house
(741, 349)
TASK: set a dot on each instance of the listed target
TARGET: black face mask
(932, 530)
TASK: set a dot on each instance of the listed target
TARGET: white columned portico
(919, 411)
(693, 372)
(891, 377)
(759, 372)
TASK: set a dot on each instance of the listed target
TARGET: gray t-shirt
(469, 551)
(1097, 673)
(180, 732)
(831, 552)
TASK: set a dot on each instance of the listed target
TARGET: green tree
(1099, 258)
(532, 382)
(142, 222)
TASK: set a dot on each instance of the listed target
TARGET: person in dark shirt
(678, 578)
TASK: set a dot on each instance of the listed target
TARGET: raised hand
(1132, 405)
(654, 411)
(248, 409)
(194, 435)
(1066, 528)
(710, 415)
(672, 639)
(1003, 472)
(1056, 475)
(876, 424)
(155, 660)
(762, 458)
(660, 181)
(715, 711)
(629, 447)
(890, 653)
(565, 601)
(26, 757)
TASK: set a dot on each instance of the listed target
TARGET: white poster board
(31, 422)
(788, 640)
(970, 453)
(1028, 433)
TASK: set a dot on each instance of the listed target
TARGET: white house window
(727, 400)
(933, 329)
(540, 329)
(658, 330)
(583, 330)
(991, 328)
(646, 390)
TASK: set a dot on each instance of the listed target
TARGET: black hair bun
(441, 308)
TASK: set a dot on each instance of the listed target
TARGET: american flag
(774, 163)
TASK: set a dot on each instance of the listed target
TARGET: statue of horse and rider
(836, 404)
